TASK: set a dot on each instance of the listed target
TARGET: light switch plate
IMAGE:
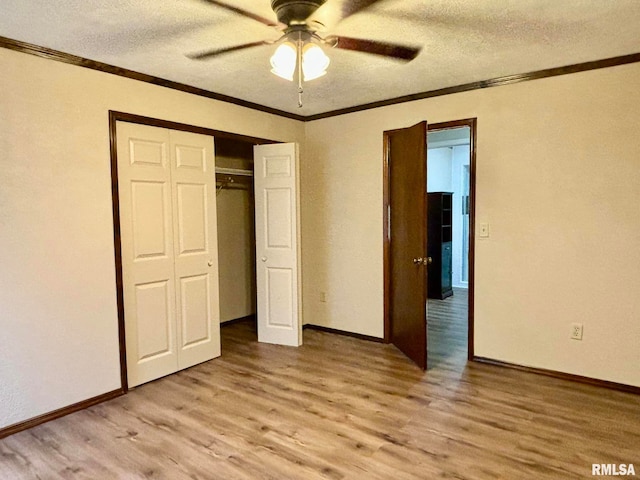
(484, 230)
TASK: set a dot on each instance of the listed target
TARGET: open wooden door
(278, 271)
(407, 158)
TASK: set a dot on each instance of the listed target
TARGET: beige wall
(58, 320)
(236, 257)
(558, 179)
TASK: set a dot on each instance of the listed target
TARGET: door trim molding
(386, 241)
(472, 124)
(115, 116)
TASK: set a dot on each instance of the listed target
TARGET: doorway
(448, 189)
(455, 200)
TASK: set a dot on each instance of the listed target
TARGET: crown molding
(493, 82)
(59, 56)
(63, 57)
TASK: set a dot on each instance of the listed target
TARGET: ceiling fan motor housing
(295, 12)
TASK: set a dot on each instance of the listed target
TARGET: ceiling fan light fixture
(314, 62)
(283, 61)
(300, 52)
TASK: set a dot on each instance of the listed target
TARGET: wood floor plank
(338, 408)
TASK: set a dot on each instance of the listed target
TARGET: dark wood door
(407, 157)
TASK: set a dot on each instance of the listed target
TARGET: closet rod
(234, 171)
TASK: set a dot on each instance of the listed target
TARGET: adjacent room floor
(335, 408)
(447, 326)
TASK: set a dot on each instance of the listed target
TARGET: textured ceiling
(463, 41)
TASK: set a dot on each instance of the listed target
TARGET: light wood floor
(447, 325)
(335, 408)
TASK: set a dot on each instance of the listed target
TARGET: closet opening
(258, 242)
(235, 203)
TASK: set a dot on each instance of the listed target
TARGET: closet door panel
(192, 218)
(144, 182)
(278, 244)
(154, 325)
(195, 247)
(149, 204)
(196, 314)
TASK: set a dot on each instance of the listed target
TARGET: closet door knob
(264, 259)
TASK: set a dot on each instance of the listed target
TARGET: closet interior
(236, 229)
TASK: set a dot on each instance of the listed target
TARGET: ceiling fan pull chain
(299, 62)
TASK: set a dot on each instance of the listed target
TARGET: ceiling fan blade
(244, 13)
(219, 51)
(384, 49)
(335, 11)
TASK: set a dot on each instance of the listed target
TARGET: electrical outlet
(323, 297)
(576, 331)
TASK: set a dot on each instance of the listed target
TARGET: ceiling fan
(301, 45)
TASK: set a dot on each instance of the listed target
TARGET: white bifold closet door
(278, 283)
(166, 183)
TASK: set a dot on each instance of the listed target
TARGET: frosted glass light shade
(283, 61)
(314, 62)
